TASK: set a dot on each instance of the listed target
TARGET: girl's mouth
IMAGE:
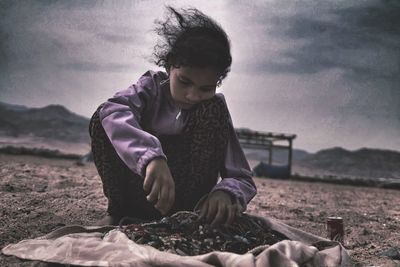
(185, 105)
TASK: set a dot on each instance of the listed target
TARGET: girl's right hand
(161, 185)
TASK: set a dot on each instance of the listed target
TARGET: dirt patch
(38, 195)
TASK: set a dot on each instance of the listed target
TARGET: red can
(335, 229)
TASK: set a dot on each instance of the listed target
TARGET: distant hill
(337, 161)
(279, 156)
(365, 162)
(53, 122)
(55, 127)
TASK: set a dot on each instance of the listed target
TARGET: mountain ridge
(52, 121)
(57, 123)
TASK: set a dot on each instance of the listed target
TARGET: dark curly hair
(192, 39)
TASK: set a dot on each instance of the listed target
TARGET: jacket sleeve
(120, 117)
(236, 173)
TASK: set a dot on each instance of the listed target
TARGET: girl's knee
(95, 127)
(212, 112)
(214, 103)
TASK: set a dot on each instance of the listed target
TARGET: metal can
(335, 229)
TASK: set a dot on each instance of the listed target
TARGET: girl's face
(191, 85)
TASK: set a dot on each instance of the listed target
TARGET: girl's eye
(206, 90)
(184, 82)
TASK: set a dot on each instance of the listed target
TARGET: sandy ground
(38, 195)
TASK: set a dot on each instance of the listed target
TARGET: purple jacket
(134, 117)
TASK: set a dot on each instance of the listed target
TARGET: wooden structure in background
(265, 140)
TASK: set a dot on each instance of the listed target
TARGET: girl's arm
(138, 149)
(236, 173)
(120, 117)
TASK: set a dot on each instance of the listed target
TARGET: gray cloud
(361, 39)
(95, 67)
(327, 71)
(52, 34)
(118, 38)
(330, 68)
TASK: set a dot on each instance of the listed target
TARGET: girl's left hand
(219, 209)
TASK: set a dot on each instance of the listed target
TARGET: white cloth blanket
(107, 246)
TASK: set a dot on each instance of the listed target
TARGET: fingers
(152, 197)
(212, 210)
(171, 198)
(161, 185)
(220, 215)
(166, 199)
(161, 204)
(219, 211)
(238, 209)
(148, 182)
(204, 210)
(231, 215)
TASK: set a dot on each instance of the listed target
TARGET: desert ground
(38, 195)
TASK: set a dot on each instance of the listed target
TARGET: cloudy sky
(327, 71)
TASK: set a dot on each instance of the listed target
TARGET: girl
(160, 145)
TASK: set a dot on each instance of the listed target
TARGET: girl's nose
(192, 95)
